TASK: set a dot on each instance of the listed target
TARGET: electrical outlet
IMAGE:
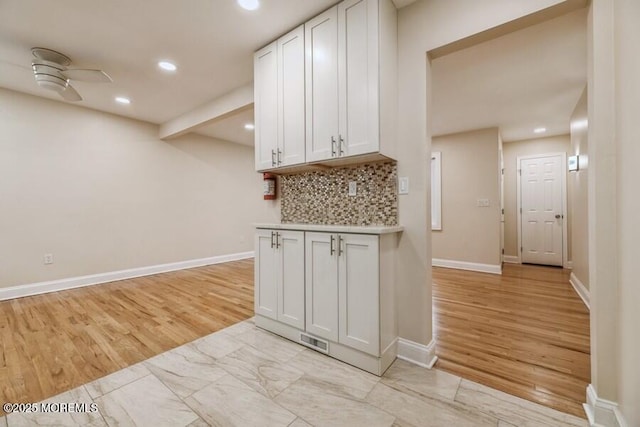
(353, 188)
(403, 185)
(48, 259)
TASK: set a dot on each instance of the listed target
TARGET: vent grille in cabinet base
(314, 343)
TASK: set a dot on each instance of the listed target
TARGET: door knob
(558, 216)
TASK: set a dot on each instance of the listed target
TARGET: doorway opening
(507, 330)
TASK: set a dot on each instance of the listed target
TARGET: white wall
(627, 77)
(614, 102)
(470, 171)
(103, 193)
(578, 182)
(422, 27)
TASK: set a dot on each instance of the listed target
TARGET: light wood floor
(55, 342)
(525, 333)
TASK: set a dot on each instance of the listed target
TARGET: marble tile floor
(244, 376)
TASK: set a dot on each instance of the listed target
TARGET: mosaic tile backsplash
(321, 197)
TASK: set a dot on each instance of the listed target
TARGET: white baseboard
(463, 265)
(416, 353)
(510, 259)
(602, 412)
(568, 265)
(581, 290)
(94, 279)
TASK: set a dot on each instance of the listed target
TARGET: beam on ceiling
(535, 18)
(230, 103)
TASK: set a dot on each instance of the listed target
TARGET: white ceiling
(529, 78)
(523, 80)
(211, 41)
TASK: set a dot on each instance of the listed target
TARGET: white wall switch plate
(483, 203)
(353, 188)
(403, 185)
(47, 259)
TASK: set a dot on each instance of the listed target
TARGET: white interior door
(542, 213)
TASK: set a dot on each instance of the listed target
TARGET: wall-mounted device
(573, 163)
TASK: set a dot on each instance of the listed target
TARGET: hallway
(525, 332)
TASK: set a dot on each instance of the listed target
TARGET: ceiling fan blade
(70, 94)
(94, 76)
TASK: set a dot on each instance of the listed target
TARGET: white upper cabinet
(321, 53)
(279, 103)
(350, 80)
(358, 77)
(291, 98)
(265, 88)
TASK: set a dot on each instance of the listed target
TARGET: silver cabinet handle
(273, 158)
(331, 250)
(272, 244)
(333, 146)
(278, 236)
(340, 240)
(340, 144)
(279, 157)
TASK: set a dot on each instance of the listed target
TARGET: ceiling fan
(51, 73)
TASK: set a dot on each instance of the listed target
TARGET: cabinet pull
(272, 233)
(340, 240)
(278, 244)
(331, 250)
(340, 143)
(333, 146)
(273, 158)
(279, 157)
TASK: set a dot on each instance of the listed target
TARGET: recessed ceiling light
(249, 126)
(539, 130)
(249, 4)
(167, 66)
(123, 100)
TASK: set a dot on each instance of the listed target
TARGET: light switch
(483, 203)
(353, 188)
(403, 185)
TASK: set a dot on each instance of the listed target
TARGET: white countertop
(356, 229)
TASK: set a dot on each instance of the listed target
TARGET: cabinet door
(265, 75)
(291, 282)
(358, 76)
(321, 70)
(266, 275)
(291, 98)
(358, 268)
(321, 284)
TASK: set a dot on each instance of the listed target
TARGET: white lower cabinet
(347, 306)
(279, 276)
(341, 281)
